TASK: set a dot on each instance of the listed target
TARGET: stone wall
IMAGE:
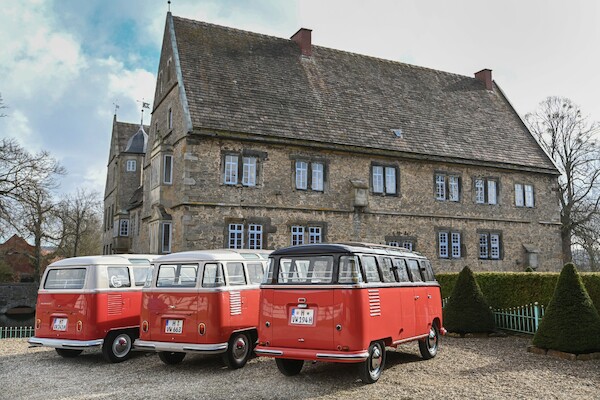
(16, 295)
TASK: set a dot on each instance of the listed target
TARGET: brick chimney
(303, 38)
(485, 76)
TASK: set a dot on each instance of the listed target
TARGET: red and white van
(203, 302)
(347, 303)
(87, 302)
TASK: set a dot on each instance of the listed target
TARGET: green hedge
(511, 289)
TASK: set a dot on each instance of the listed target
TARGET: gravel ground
(467, 368)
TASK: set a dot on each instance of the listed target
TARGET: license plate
(302, 316)
(60, 324)
(174, 326)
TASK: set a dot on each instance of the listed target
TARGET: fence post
(536, 316)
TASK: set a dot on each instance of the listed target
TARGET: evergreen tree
(571, 323)
(467, 310)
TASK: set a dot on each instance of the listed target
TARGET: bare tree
(2, 107)
(568, 138)
(80, 218)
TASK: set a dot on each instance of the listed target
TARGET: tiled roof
(249, 83)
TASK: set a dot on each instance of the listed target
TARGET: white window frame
(236, 236)
(255, 236)
(440, 187)
(131, 165)
(529, 201)
(391, 180)
(168, 173)
(486, 191)
(124, 227)
(301, 174)
(494, 246)
(318, 176)
(249, 171)
(453, 188)
(378, 185)
(408, 244)
(443, 244)
(166, 236)
(483, 246)
(519, 195)
(455, 242)
(489, 246)
(297, 235)
(230, 171)
(492, 188)
(315, 234)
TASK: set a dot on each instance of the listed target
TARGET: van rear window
(306, 270)
(256, 272)
(180, 275)
(69, 278)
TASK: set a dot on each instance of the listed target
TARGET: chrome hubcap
(121, 345)
(432, 341)
(240, 348)
(376, 358)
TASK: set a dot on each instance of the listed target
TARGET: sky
(66, 64)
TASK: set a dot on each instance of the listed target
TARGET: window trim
(521, 195)
(166, 249)
(168, 181)
(486, 190)
(449, 253)
(306, 231)
(309, 183)
(131, 165)
(384, 179)
(447, 186)
(238, 169)
(488, 234)
(124, 227)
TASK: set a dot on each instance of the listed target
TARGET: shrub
(467, 310)
(571, 323)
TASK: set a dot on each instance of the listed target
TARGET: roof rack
(379, 246)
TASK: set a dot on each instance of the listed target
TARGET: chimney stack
(485, 76)
(303, 38)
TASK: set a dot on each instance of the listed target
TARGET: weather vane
(144, 105)
(169, 5)
(116, 106)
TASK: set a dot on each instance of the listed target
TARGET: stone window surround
(401, 239)
(447, 175)
(260, 157)
(523, 195)
(306, 230)
(131, 165)
(265, 223)
(384, 166)
(488, 232)
(309, 160)
(485, 180)
(449, 232)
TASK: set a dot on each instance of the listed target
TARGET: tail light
(38, 323)
(145, 326)
(202, 329)
(79, 326)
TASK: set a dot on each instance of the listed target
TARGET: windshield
(68, 278)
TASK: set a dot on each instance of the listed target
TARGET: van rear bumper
(311, 354)
(65, 343)
(147, 345)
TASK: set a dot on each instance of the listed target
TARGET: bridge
(13, 295)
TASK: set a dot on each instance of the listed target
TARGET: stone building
(125, 167)
(262, 142)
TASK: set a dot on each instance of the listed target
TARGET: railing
(16, 332)
(524, 319)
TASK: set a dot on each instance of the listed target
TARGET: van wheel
(171, 357)
(68, 353)
(289, 367)
(370, 370)
(429, 346)
(238, 350)
(117, 346)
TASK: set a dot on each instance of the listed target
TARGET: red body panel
(347, 319)
(98, 312)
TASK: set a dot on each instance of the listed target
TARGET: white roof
(214, 255)
(115, 259)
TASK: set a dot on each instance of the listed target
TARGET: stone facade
(186, 203)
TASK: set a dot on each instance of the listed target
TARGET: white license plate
(174, 326)
(302, 316)
(60, 324)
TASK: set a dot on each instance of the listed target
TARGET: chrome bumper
(146, 345)
(64, 343)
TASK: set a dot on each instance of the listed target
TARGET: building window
(384, 179)
(449, 244)
(236, 236)
(489, 245)
(524, 195)
(236, 165)
(255, 236)
(486, 191)
(447, 187)
(124, 227)
(166, 237)
(168, 170)
(170, 119)
(314, 234)
(131, 165)
(310, 174)
(297, 235)
(402, 241)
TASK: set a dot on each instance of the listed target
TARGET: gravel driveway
(468, 368)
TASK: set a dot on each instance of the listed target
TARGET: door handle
(417, 297)
(428, 296)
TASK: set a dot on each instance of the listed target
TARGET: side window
(235, 274)
(349, 272)
(426, 271)
(400, 268)
(170, 275)
(118, 277)
(255, 272)
(386, 270)
(370, 267)
(166, 275)
(213, 275)
(140, 274)
(413, 267)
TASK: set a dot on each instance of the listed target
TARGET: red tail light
(79, 326)
(38, 323)
(202, 329)
(145, 326)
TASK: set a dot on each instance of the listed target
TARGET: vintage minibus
(346, 303)
(88, 302)
(203, 302)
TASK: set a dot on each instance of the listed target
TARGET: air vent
(397, 132)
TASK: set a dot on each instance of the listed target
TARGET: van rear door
(302, 311)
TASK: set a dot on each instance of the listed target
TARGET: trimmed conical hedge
(467, 310)
(571, 323)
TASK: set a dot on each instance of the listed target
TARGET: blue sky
(65, 63)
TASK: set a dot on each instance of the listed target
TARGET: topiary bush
(571, 323)
(467, 310)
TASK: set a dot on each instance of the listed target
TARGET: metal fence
(16, 332)
(524, 319)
